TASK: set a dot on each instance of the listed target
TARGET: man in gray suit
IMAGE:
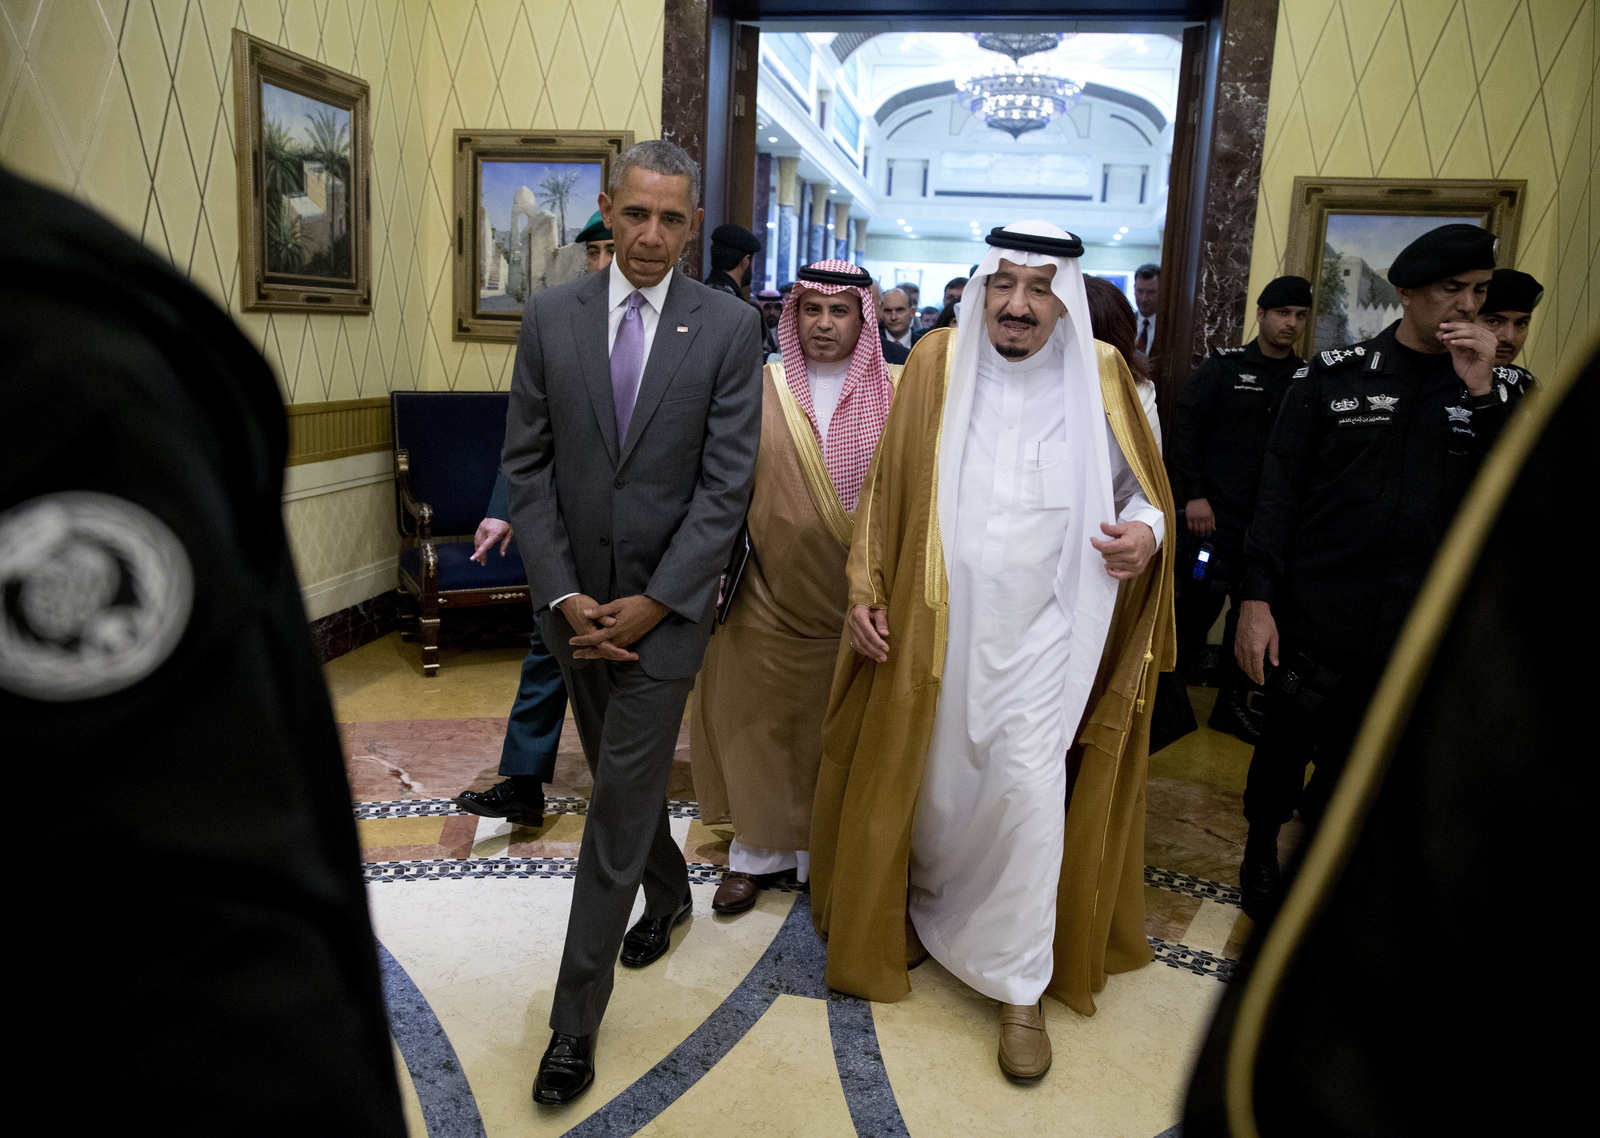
(629, 455)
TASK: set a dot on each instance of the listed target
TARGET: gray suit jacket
(654, 513)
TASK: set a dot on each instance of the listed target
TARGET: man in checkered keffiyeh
(837, 375)
(755, 728)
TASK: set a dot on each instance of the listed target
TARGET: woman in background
(1111, 317)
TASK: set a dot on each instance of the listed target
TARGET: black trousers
(628, 723)
(1197, 609)
(1294, 734)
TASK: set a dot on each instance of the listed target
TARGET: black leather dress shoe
(1259, 876)
(504, 800)
(566, 1070)
(649, 940)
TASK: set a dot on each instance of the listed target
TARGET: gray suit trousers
(628, 723)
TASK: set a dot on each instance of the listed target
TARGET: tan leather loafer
(737, 893)
(1024, 1043)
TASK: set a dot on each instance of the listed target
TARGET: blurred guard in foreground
(153, 642)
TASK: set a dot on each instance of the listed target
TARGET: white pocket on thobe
(1048, 484)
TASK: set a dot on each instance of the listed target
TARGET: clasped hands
(604, 631)
(1127, 549)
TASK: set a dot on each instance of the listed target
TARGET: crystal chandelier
(1018, 98)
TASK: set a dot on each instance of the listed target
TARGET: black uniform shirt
(1518, 378)
(721, 280)
(1371, 453)
(1225, 414)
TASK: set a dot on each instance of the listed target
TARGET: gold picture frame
(1363, 220)
(305, 233)
(520, 197)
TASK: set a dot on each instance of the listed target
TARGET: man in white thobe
(1041, 517)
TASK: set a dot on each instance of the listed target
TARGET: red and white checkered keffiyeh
(864, 400)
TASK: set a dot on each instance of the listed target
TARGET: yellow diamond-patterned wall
(1449, 89)
(128, 105)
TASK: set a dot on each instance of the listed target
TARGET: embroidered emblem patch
(1246, 377)
(96, 593)
(1382, 402)
(1458, 414)
(1339, 355)
(1349, 404)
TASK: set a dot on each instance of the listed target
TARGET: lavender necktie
(627, 362)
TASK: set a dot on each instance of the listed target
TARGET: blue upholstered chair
(446, 457)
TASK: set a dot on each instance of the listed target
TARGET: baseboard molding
(351, 627)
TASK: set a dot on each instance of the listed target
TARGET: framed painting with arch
(520, 199)
(303, 153)
(1344, 233)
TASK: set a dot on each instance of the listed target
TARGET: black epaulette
(1230, 351)
(1301, 372)
(1347, 357)
(1514, 375)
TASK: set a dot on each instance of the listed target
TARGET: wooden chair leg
(428, 629)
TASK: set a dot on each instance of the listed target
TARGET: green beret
(1511, 291)
(736, 237)
(1286, 292)
(1441, 253)
(593, 230)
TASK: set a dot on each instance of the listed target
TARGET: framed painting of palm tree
(521, 197)
(304, 233)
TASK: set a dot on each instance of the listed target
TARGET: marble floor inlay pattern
(735, 1026)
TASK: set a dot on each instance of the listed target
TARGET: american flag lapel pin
(683, 327)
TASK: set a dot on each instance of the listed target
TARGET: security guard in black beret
(1372, 450)
(1507, 311)
(157, 679)
(732, 247)
(1219, 434)
(597, 242)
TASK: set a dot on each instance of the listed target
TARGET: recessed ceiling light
(1116, 237)
(1124, 229)
(772, 138)
(899, 221)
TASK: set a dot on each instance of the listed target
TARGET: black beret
(735, 237)
(1511, 291)
(1443, 252)
(1286, 292)
(1002, 238)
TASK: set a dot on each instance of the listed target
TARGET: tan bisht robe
(755, 721)
(880, 718)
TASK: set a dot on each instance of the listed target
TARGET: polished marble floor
(734, 1028)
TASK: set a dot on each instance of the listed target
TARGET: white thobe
(990, 820)
(827, 384)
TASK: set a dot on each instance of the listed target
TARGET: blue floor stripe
(448, 1105)
(794, 964)
(873, 1107)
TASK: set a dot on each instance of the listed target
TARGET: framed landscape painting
(520, 199)
(304, 232)
(1344, 234)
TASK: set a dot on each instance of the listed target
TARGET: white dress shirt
(655, 298)
(1147, 325)
(903, 341)
(827, 384)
